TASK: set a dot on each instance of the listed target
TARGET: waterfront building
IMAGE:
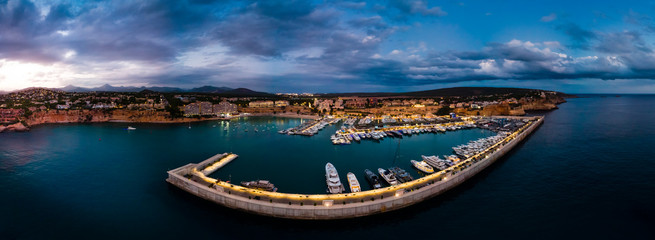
(324, 105)
(281, 103)
(338, 104)
(191, 109)
(261, 104)
(428, 101)
(10, 115)
(102, 105)
(356, 103)
(224, 107)
(206, 108)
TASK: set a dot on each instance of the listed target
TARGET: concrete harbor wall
(339, 206)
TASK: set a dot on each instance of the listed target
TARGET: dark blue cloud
(580, 37)
(318, 42)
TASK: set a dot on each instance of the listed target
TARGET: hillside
(444, 92)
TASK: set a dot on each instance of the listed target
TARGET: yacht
(388, 176)
(332, 179)
(131, 128)
(423, 166)
(401, 175)
(372, 179)
(354, 184)
(452, 158)
(356, 137)
(261, 185)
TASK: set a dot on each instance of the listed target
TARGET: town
(22, 109)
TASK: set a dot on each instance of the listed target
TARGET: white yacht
(332, 179)
(388, 176)
(131, 128)
(423, 166)
(354, 184)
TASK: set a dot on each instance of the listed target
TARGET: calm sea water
(587, 172)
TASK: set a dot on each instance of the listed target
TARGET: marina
(344, 205)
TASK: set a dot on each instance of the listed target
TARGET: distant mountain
(210, 89)
(443, 92)
(71, 88)
(242, 92)
(110, 88)
(224, 91)
(164, 89)
(469, 91)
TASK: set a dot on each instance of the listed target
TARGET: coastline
(26, 127)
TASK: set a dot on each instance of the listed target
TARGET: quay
(192, 178)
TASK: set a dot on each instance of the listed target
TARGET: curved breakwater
(337, 206)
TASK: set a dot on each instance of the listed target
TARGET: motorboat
(354, 184)
(423, 166)
(388, 176)
(332, 179)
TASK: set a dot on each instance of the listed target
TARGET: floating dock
(192, 178)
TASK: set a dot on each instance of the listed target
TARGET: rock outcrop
(16, 127)
(68, 116)
(520, 109)
(88, 116)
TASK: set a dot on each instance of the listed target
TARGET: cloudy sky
(336, 46)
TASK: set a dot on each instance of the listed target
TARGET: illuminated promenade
(192, 178)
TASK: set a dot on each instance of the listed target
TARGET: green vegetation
(445, 110)
(173, 107)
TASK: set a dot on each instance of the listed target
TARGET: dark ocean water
(588, 172)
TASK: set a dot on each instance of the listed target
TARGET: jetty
(193, 178)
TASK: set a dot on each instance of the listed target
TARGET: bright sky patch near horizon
(330, 46)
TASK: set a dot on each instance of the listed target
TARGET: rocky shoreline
(89, 116)
(16, 127)
(523, 107)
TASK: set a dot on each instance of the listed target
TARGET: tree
(173, 107)
(445, 110)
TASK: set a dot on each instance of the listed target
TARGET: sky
(330, 46)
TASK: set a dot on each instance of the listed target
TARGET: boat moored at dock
(354, 184)
(401, 175)
(332, 179)
(388, 176)
(423, 166)
(372, 179)
(260, 184)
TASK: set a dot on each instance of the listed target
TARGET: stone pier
(191, 178)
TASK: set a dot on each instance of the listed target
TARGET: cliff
(141, 116)
(524, 105)
(88, 116)
(67, 116)
(543, 104)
